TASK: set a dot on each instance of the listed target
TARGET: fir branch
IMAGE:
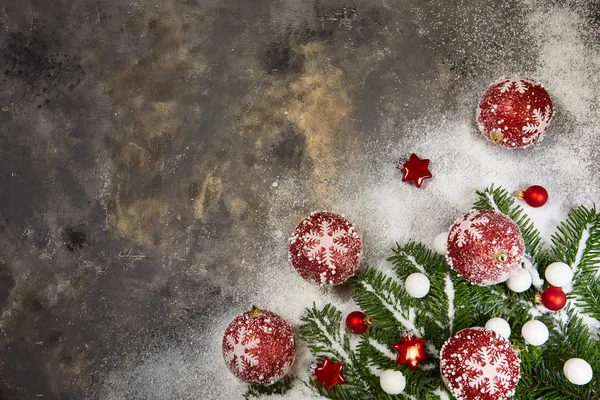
(415, 257)
(577, 243)
(380, 297)
(324, 332)
(282, 386)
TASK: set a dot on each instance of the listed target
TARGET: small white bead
(392, 381)
(578, 371)
(520, 281)
(417, 285)
(498, 325)
(535, 332)
(558, 274)
(440, 243)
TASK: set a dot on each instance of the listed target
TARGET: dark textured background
(139, 140)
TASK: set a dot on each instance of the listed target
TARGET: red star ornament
(415, 170)
(329, 373)
(410, 351)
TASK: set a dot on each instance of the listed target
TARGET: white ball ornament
(578, 371)
(520, 281)
(558, 274)
(535, 332)
(417, 285)
(440, 243)
(498, 325)
(392, 381)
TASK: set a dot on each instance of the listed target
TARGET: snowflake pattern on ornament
(258, 346)
(491, 374)
(514, 112)
(324, 243)
(485, 247)
(479, 364)
(519, 85)
(542, 120)
(325, 248)
(238, 350)
(468, 228)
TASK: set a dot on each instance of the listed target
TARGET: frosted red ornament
(259, 347)
(514, 112)
(479, 364)
(554, 298)
(485, 247)
(325, 248)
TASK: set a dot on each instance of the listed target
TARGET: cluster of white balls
(557, 274)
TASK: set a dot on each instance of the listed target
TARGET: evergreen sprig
(454, 304)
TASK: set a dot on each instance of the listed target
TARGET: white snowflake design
(327, 240)
(239, 350)
(492, 375)
(541, 121)
(468, 228)
(518, 83)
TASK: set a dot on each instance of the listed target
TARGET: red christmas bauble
(514, 112)
(325, 248)
(485, 247)
(479, 364)
(357, 322)
(554, 298)
(534, 196)
(259, 347)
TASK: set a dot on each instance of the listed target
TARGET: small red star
(410, 351)
(415, 170)
(329, 373)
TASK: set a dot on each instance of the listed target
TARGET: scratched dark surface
(137, 139)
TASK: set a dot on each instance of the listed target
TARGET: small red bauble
(329, 374)
(325, 248)
(485, 247)
(514, 112)
(479, 364)
(554, 298)
(357, 322)
(259, 347)
(415, 170)
(534, 196)
(410, 351)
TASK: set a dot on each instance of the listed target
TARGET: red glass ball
(554, 298)
(357, 322)
(535, 196)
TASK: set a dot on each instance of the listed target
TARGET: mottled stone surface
(139, 141)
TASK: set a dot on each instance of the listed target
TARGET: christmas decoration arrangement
(469, 334)
(490, 313)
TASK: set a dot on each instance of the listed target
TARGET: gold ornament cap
(500, 256)
(520, 195)
(537, 298)
(255, 312)
(496, 136)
